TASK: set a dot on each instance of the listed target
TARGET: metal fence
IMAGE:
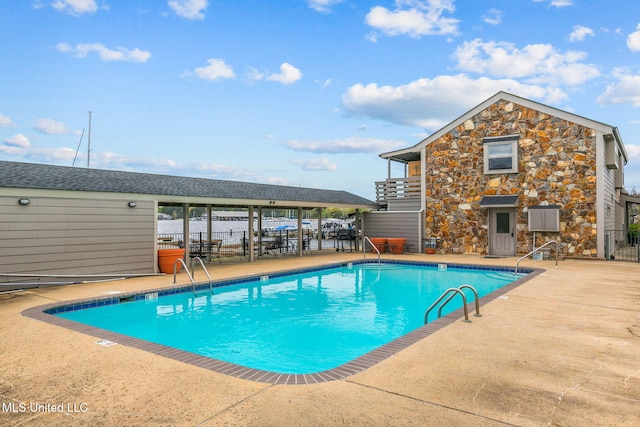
(622, 245)
(229, 244)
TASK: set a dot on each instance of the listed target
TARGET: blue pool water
(301, 323)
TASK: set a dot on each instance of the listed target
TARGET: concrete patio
(563, 349)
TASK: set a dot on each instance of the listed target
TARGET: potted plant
(430, 246)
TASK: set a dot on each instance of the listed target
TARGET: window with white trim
(501, 154)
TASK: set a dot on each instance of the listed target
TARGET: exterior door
(502, 232)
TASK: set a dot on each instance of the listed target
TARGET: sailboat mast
(89, 144)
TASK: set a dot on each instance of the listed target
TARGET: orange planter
(396, 244)
(380, 243)
(167, 258)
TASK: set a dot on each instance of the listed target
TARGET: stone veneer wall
(557, 166)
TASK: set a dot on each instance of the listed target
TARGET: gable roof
(171, 189)
(413, 153)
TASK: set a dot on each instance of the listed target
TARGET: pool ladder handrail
(205, 272)
(364, 249)
(186, 269)
(453, 292)
(536, 250)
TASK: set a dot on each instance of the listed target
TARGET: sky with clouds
(296, 92)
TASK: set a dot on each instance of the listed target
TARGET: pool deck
(561, 349)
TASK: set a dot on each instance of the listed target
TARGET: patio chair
(214, 250)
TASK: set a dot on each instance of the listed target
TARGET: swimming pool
(294, 323)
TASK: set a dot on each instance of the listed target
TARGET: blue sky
(297, 92)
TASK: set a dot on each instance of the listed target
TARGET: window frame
(511, 140)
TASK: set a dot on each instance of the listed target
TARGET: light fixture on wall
(132, 204)
(24, 201)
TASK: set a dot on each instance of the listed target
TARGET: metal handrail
(205, 272)
(186, 269)
(475, 294)
(444, 294)
(536, 250)
(364, 249)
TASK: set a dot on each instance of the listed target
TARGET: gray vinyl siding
(610, 199)
(76, 236)
(395, 224)
(404, 204)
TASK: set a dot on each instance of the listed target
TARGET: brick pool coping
(46, 313)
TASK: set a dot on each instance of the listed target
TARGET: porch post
(356, 241)
(319, 229)
(185, 231)
(299, 249)
(249, 236)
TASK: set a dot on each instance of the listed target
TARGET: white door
(502, 231)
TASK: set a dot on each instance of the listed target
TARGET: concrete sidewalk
(562, 349)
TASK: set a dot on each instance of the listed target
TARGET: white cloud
(324, 84)
(346, 145)
(215, 70)
(633, 150)
(51, 127)
(415, 18)
(18, 140)
(319, 164)
(47, 155)
(493, 17)
(561, 3)
(556, 3)
(538, 63)
(625, 91)
(579, 33)
(189, 9)
(5, 121)
(18, 148)
(81, 50)
(323, 6)
(432, 103)
(75, 7)
(288, 74)
(255, 74)
(633, 40)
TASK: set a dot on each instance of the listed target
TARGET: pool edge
(345, 370)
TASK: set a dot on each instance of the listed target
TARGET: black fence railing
(229, 244)
(622, 245)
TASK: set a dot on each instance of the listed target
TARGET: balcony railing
(395, 188)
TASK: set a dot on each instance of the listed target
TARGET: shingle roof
(49, 177)
(499, 201)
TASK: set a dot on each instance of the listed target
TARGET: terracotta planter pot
(380, 243)
(430, 250)
(396, 244)
(166, 259)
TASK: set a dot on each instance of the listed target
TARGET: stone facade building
(512, 173)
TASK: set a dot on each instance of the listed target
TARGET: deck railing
(395, 188)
